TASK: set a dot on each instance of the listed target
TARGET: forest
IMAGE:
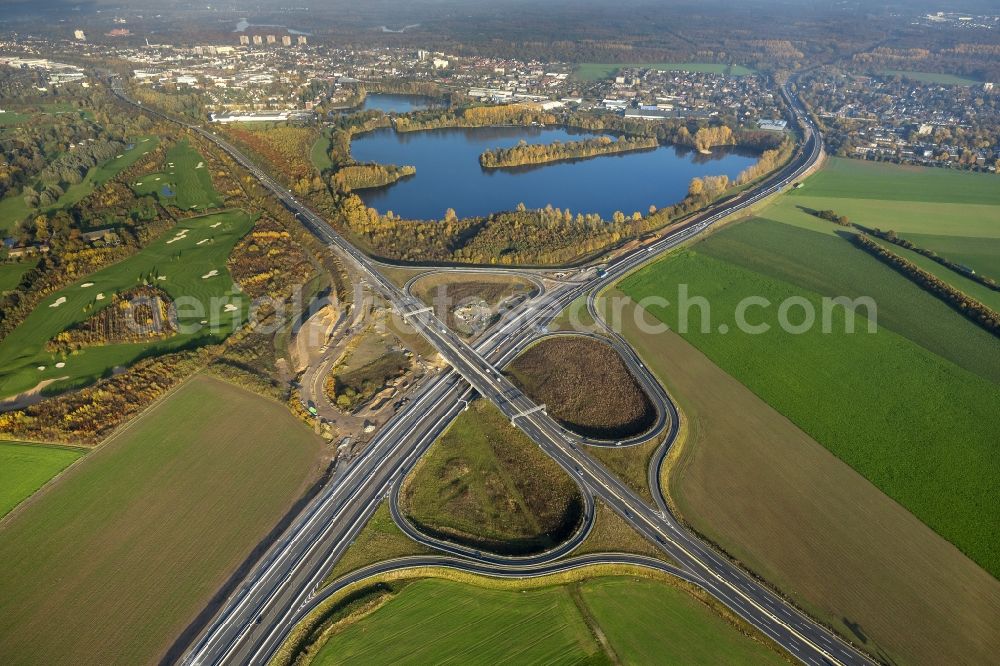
(524, 153)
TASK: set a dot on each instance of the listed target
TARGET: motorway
(281, 588)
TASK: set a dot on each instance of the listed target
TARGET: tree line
(524, 153)
(768, 162)
(973, 309)
(965, 271)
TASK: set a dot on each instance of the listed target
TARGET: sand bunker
(181, 235)
(203, 241)
(214, 225)
(100, 296)
(60, 364)
(59, 301)
(86, 284)
(231, 308)
(200, 165)
(211, 273)
(40, 368)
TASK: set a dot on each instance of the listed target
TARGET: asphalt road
(260, 613)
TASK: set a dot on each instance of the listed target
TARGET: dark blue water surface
(449, 176)
(391, 103)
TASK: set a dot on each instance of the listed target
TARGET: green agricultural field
(980, 292)
(845, 178)
(741, 473)
(10, 274)
(874, 400)
(112, 562)
(832, 266)
(189, 260)
(980, 254)
(442, 621)
(184, 182)
(13, 208)
(931, 77)
(594, 71)
(647, 623)
(484, 483)
(24, 468)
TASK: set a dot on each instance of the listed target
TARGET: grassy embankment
(585, 385)
(913, 408)
(133, 541)
(595, 71)
(485, 484)
(191, 259)
(13, 208)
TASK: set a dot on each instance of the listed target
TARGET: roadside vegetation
(143, 532)
(585, 385)
(379, 540)
(611, 534)
(287, 149)
(484, 484)
(630, 464)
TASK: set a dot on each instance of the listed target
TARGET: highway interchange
(283, 587)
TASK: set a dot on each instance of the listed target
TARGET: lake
(449, 176)
(393, 103)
